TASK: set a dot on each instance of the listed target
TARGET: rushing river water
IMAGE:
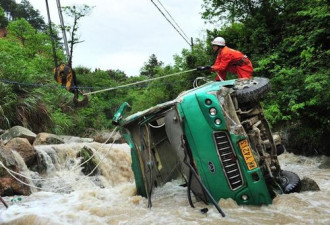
(68, 197)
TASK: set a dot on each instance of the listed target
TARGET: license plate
(247, 154)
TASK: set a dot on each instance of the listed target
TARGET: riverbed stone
(8, 184)
(18, 131)
(308, 184)
(10, 187)
(105, 136)
(47, 139)
(24, 148)
(6, 157)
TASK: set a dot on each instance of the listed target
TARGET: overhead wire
(35, 85)
(139, 82)
(11, 82)
(173, 19)
(171, 23)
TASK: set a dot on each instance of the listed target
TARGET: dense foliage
(287, 41)
(22, 10)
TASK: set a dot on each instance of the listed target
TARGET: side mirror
(120, 112)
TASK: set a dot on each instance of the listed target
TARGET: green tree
(150, 68)
(76, 12)
(21, 29)
(23, 10)
(8, 5)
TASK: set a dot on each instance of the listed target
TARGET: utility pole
(51, 34)
(63, 31)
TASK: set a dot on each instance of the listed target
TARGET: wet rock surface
(17, 131)
(308, 184)
(24, 148)
(47, 139)
(9, 185)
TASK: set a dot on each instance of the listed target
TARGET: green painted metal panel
(199, 127)
(138, 176)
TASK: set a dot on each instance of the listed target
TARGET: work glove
(203, 68)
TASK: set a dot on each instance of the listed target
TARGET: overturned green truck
(215, 137)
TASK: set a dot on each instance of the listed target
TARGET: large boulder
(308, 184)
(8, 184)
(89, 163)
(24, 148)
(18, 131)
(47, 139)
(104, 136)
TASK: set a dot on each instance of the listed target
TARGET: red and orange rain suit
(233, 61)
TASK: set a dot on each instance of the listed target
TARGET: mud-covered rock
(88, 161)
(8, 184)
(47, 139)
(105, 136)
(308, 184)
(24, 148)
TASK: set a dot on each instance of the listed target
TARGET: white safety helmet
(220, 41)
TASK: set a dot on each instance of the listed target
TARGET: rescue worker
(228, 60)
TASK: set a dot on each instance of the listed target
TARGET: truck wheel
(253, 90)
(290, 182)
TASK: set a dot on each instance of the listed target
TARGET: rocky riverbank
(19, 143)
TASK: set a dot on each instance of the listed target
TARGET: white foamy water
(111, 198)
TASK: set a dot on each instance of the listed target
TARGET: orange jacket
(233, 61)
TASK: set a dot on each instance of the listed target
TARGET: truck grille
(228, 160)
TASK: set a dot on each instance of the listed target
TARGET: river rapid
(69, 197)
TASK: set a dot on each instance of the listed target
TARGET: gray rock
(104, 137)
(6, 157)
(47, 139)
(308, 184)
(9, 185)
(18, 131)
(24, 148)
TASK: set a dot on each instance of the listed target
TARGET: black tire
(257, 88)
(290, 182)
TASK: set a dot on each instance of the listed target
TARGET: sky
(122, 34)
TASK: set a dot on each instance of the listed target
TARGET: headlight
(213, 111)
(217, 121)
(245, 197)
(208, 102)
